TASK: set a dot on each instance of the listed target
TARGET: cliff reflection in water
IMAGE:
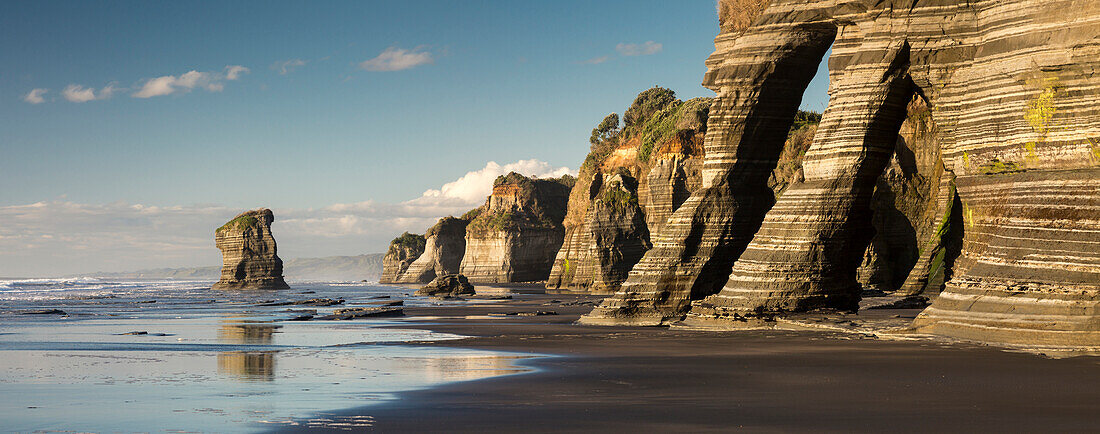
(247, 365)
(249, 334)
(461, 368)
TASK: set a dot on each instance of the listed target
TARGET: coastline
(635, 378)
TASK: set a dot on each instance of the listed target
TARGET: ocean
(93, 354)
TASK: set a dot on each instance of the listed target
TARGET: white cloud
(644, 49)
(78, 93)
(169, 84)
(63, 238)
(473, 187)
(287, 66)
(233, 72)
(397, 59)
(35, 96)
(596, 60)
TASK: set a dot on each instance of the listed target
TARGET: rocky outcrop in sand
(1013, 89)
(447, 285)
(249, 259)
(403, 251)
(444, 247)
(518, 230)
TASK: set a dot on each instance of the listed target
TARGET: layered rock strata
(759, 84)
(629, 185)
(249, 259)
(403, 251)
(518, 230)
(1012, 86)
(444, 247)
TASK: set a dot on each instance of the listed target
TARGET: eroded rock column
(759, 77)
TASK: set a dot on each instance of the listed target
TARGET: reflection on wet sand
(450, 368)
(248, 366)
(250, 334)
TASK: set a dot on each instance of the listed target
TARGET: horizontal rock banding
(444, 247)
(1014, 94)
(518, 232)
(657, 157)
(249, 259)
(403, 251)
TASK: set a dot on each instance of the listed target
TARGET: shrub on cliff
(408, 241)
(606, 131)
(645, 105)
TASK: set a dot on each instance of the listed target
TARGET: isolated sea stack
(403, 251)
(518, 230)
(249, 259)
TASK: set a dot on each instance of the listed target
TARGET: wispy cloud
(644, 49)
(397, 59)
(595, 60)
(183, 83)
(78, 93)
(60, 237)
(35, 96)
(287, 66)
(624, 49)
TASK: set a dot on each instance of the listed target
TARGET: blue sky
(233, 105)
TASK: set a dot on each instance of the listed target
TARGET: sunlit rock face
(628, 186)
(403, 251)
(249, 259)
(1013, 91)
(444, 246)
(518, 230)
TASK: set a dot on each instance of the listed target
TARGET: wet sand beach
(654, 379)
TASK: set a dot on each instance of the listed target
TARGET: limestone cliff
(444, 247)
(654, 161)
(249, 259)
(518, 230)
(403, 250)
(1012, 87)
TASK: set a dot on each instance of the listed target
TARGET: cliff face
(1017, 127)
(444, 247)
(630, 183)
(249, 259)
(403, 250)
(518, 230)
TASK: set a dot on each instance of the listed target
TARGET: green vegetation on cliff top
(240, 223)
(408, 241)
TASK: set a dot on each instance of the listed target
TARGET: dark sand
(661, 380)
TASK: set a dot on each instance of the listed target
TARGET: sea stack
(403, 251)
(444, 246)
(249, 259)
(519, 230)
(635, 176)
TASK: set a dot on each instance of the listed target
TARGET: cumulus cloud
(472, 188)
(183, 83)
(397, 59)
(644, 49)
(77, 93)
(287, 66)
(63, 238)
(35, 96)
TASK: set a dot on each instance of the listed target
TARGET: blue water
(210, 361)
